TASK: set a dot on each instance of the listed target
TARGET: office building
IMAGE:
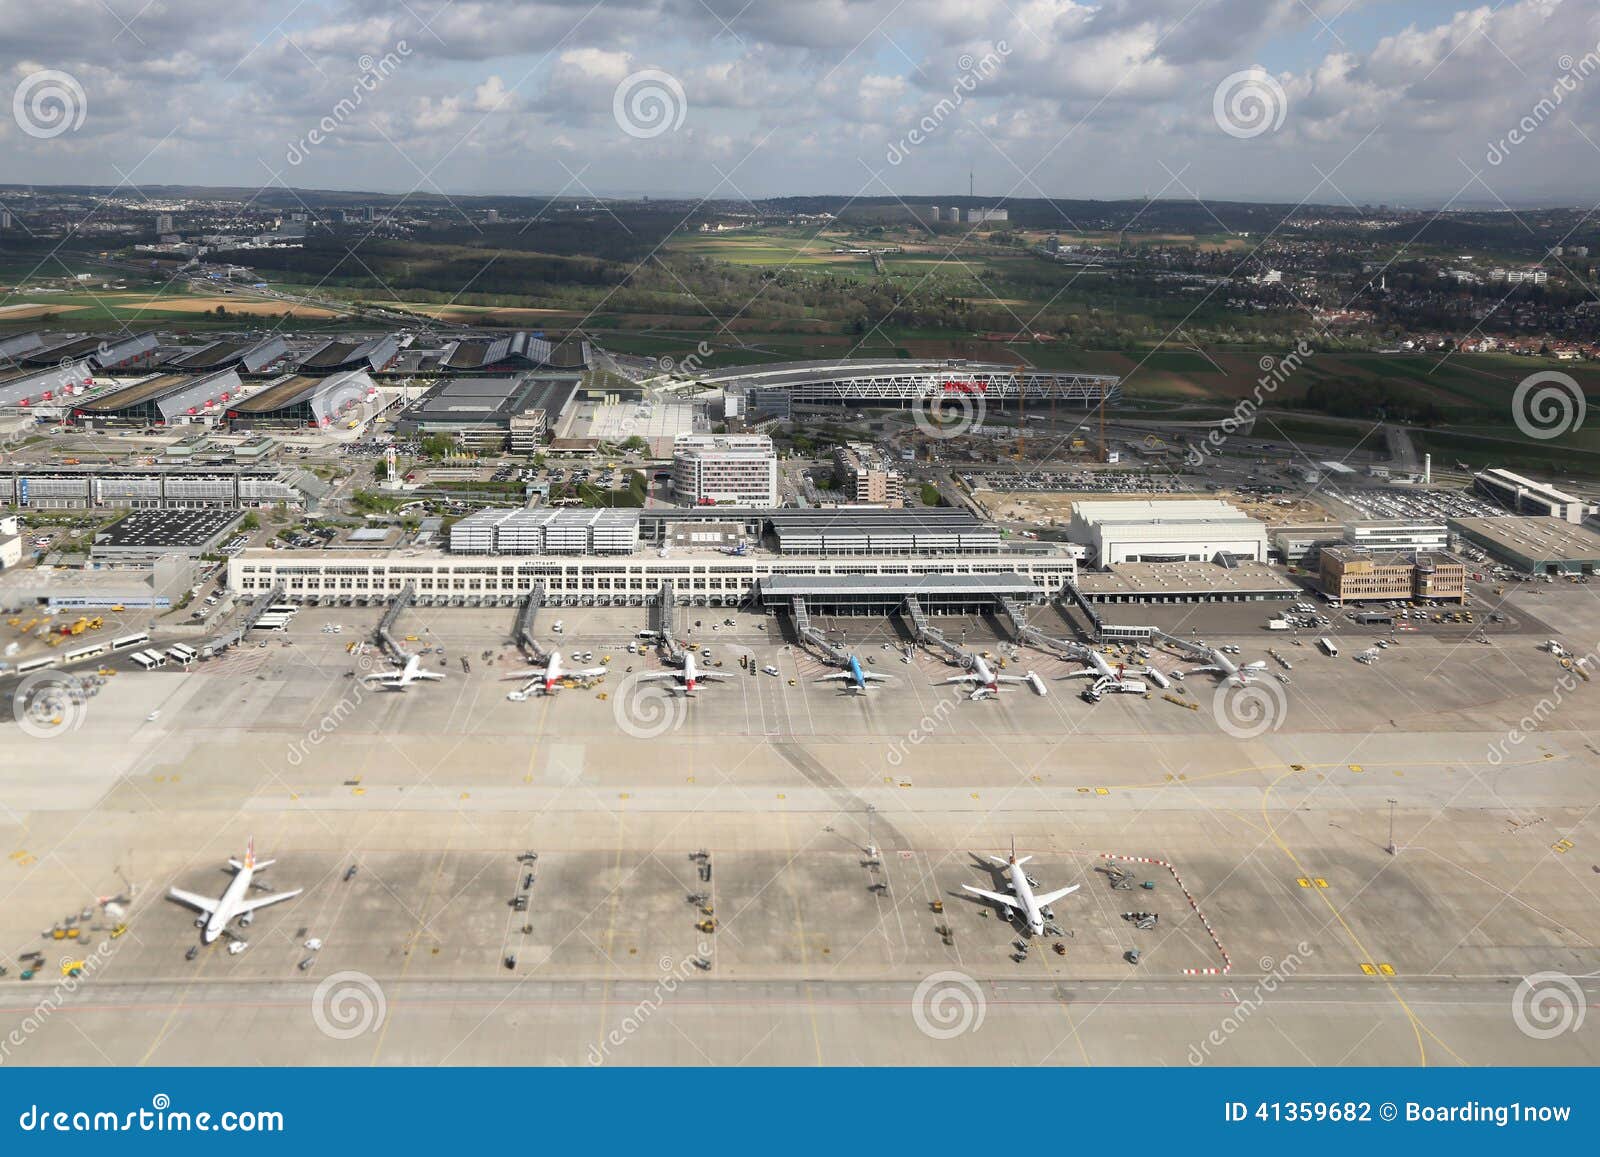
(1351, 574)
(741, 469)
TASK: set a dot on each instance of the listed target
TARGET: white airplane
(1229, 670)
(1022, 899)
(986, 683)
(1098, 666)
(859, 679)
(688, 677)
(220, 913)
(552, 674)
(402, 677)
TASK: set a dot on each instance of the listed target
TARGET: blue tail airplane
(859, 679)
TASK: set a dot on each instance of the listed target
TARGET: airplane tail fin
(1022, 861)
(250, 853)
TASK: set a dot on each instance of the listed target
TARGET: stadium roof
(785, 373)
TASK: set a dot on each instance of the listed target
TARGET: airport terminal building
(708, 578)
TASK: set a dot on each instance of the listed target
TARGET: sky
(1410, 102)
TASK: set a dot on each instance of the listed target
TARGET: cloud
(1090, 99)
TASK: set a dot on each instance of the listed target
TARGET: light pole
(1391, 827)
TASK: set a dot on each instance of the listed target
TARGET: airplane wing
(388, 678)
(434, 675)
(963, 679)
(1208, 669)
(1086, 673)
(205, 903)
(1008, 901)
(836, 675)
(588, 672)
(1258, 665)
(535, 674)
(1010, 678)
(252, 905)
(1052, 897)
(874, 677)
(712, 675)
(656, 675)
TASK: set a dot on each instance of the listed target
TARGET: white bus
(154, 656)
(1327, 645)
(36, 664)
(143, 661)
(183, 653)
(284, 609)
(127, 641)
(271, 623)
(93, 650)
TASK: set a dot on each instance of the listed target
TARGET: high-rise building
(734, 468)
(164, 223)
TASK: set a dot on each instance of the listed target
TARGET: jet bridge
(666, 620)
(810, 634)
(1195, 650)
(522, 636)
(220, 643)
(384, 636)
(1014, 615)
(932, 637)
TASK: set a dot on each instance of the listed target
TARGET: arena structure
(905, 384)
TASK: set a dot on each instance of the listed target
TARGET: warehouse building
(17, 345)
(1535, 545)
(33, 391)
(299, 401)
(248, 357)
(334, 357)
(506, 354)
(741, 469)
(163, 400)
(104, 354)
(1165, 530)
(1351, 574)
(145, 535)
(1525, 496)
(492, 413)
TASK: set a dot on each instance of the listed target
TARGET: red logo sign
(965, 387)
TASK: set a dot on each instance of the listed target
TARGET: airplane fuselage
(1024, 891)
(228, 906)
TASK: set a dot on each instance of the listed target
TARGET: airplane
(403, 677)
(688, 677)
(987, 683)
(859, 679)
(1097, 667)
(1229, 670)
(219, 913)
(552, 673)
(1023, 900)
